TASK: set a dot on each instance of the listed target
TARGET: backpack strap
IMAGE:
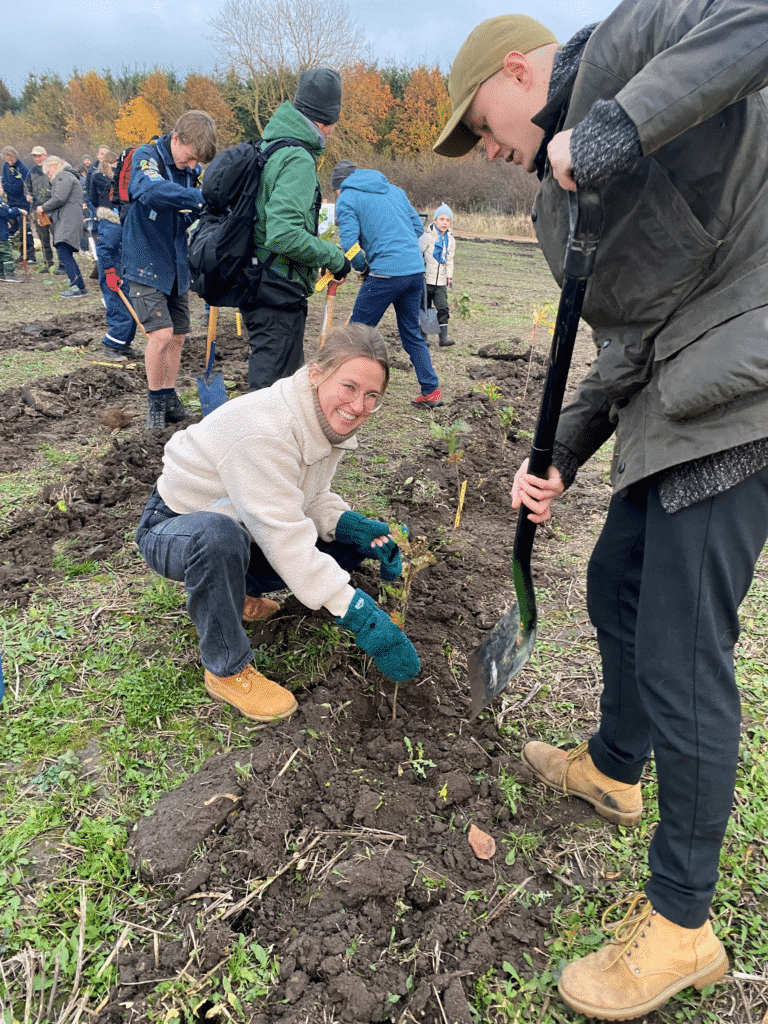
(266, 154)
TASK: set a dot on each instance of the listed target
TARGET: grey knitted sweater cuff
(565, 462)
(604, 144)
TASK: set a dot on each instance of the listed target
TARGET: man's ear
(517, 66)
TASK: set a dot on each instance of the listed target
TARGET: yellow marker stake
(462, 493)
(329, 276)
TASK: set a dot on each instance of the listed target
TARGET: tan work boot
(257, 608)
(252, 694)
(647, 961)
(573, 772)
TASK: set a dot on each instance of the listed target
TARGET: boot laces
(573, 755)
(631, 927)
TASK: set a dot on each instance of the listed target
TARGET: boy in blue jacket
(377, 214)
(165, 200)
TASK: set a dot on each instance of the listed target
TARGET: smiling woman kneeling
(244, 506)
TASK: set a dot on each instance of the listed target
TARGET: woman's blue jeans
(67, 262)
(218, 563)
(404, 293)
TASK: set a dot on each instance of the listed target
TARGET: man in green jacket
(287, 243)
(661, 109)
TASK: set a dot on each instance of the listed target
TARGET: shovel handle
(213, 320)
(330, 302)
(131, 310)
(352, 251)
(585, 214)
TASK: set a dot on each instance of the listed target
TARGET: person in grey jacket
(39, 190)
(65, 208)
(660, 109)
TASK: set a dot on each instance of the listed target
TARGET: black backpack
(223, 268)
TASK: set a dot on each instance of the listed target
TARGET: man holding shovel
(660, 113)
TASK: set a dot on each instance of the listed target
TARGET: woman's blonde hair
(55, 162)
(352, 342)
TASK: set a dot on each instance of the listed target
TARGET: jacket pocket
(278, 292)
(652, 258)
(624, 361)
(728, 361)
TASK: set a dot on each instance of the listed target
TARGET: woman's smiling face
(349, 395)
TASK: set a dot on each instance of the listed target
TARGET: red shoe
(431, 401)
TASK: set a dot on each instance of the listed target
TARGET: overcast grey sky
(139, 34)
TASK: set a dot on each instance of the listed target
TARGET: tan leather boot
(647, 961)
(252, 694)
(256, 609)
(573, 773)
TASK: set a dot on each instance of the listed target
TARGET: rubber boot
(253, 695)
(445, 341)
(647, 961)
(573, 773)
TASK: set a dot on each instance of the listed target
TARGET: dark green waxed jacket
(678, 300)
(288, 202)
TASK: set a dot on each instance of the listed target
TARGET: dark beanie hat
(318, 96)
(341, 172)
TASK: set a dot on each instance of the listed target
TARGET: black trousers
(277, 343)
(437, 296)
(663, 592)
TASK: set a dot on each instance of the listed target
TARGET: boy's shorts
(157, 310)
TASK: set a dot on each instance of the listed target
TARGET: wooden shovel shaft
(330, 302)
(213, 322)
(24, 242)
(131, 310)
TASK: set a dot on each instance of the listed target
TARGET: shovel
(508, 646)
(210, 386)
(24, 244)
(131, 310)
(330, 302)
(427, 317)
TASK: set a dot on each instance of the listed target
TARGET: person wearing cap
(438, 247)
(285, 229)
(38, 192)
(658, 109)
(375, 213)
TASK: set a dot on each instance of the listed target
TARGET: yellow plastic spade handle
(350, 253)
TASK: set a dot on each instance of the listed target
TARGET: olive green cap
(481, 55)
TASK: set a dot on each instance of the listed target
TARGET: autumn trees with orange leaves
(92, 108)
